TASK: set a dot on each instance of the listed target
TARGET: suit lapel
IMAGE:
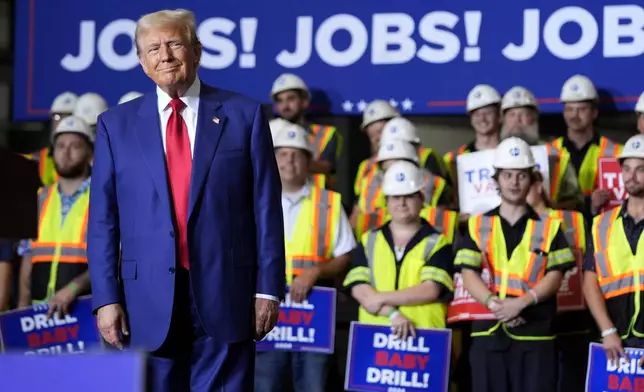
(148, 133)
(210, 125)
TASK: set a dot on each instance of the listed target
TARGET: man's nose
(166, 54)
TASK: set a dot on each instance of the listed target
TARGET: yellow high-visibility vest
(312, 241)
(557, 172)
(519, 274)
(46, 167)
(320, 137)
(383, 274)
(619, 272)
(59, 255)
(590, 165)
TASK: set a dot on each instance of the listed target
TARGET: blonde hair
(165, 18)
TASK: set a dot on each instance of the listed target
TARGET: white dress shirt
(292, 203)
(189, 114)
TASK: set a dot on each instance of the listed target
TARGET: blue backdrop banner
(422, 56)
(29, 331)
(305, 326)
(380, 361)
(605, 376)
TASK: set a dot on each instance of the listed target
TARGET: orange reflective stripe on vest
(512, 282)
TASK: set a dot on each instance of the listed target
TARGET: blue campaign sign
(122, 372)
(422, 56)
(29, 331)
(305, 326)
(380, 361)
(605, 376)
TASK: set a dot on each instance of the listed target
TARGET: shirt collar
(530, 213)
(190, 97)
(84, 186)
(294, 197)
(569, 144)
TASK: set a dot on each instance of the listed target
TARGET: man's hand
(402, 327)
(613, 348)
(599, 198)
(60, 303)
(266, 313)
(509, 309)
(373, 303)
(112, 324)
(302, 284)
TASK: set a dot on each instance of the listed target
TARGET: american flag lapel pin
(215, 120)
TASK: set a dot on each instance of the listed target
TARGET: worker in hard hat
(62, 106)
(521, 119)
(374, 117)
(318, 246)
(88, 107)
(527, 255)
(582, 142)
(613, 262)
(484, 109)
(639, 111)
(54, 267)
(292, 98)
(400, 128)
(371, 198)
(572, 327)
(401, 273)
(127, 97)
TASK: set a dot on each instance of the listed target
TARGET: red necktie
(179, 160)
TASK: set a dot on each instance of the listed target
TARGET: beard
(71, 171)
(529, 134)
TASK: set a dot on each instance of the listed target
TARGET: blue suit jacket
(235, 223)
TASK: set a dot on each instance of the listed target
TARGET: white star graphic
(347, 106)
(361, 105)
(407, 104)
(393, 103)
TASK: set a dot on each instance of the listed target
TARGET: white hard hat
(294, 136)
(578, 88)
(89, 106)
(639, 107)
(129, 96)
(397, 149)
(482, 95)
(287, 82)
(73, 124)
(399, 128)
(276, 125)
(513, 153)
(634, 148)
(402, 178)
(64, 103)
(378, 110)
(518, 97)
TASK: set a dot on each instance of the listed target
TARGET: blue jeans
(275, 371)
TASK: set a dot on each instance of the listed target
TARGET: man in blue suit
(185, 231)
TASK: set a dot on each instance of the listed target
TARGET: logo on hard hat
(390, 147)
(514, 151)
(477, 94)
(574, 87)
(281, 80)
(372, 111)
(400, 177)
(393, 130)
(636, 144)
(67, 100)
(291, 134)
(517, 94)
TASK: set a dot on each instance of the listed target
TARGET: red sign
(570, 296)
(610, 178)
(464, 307)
